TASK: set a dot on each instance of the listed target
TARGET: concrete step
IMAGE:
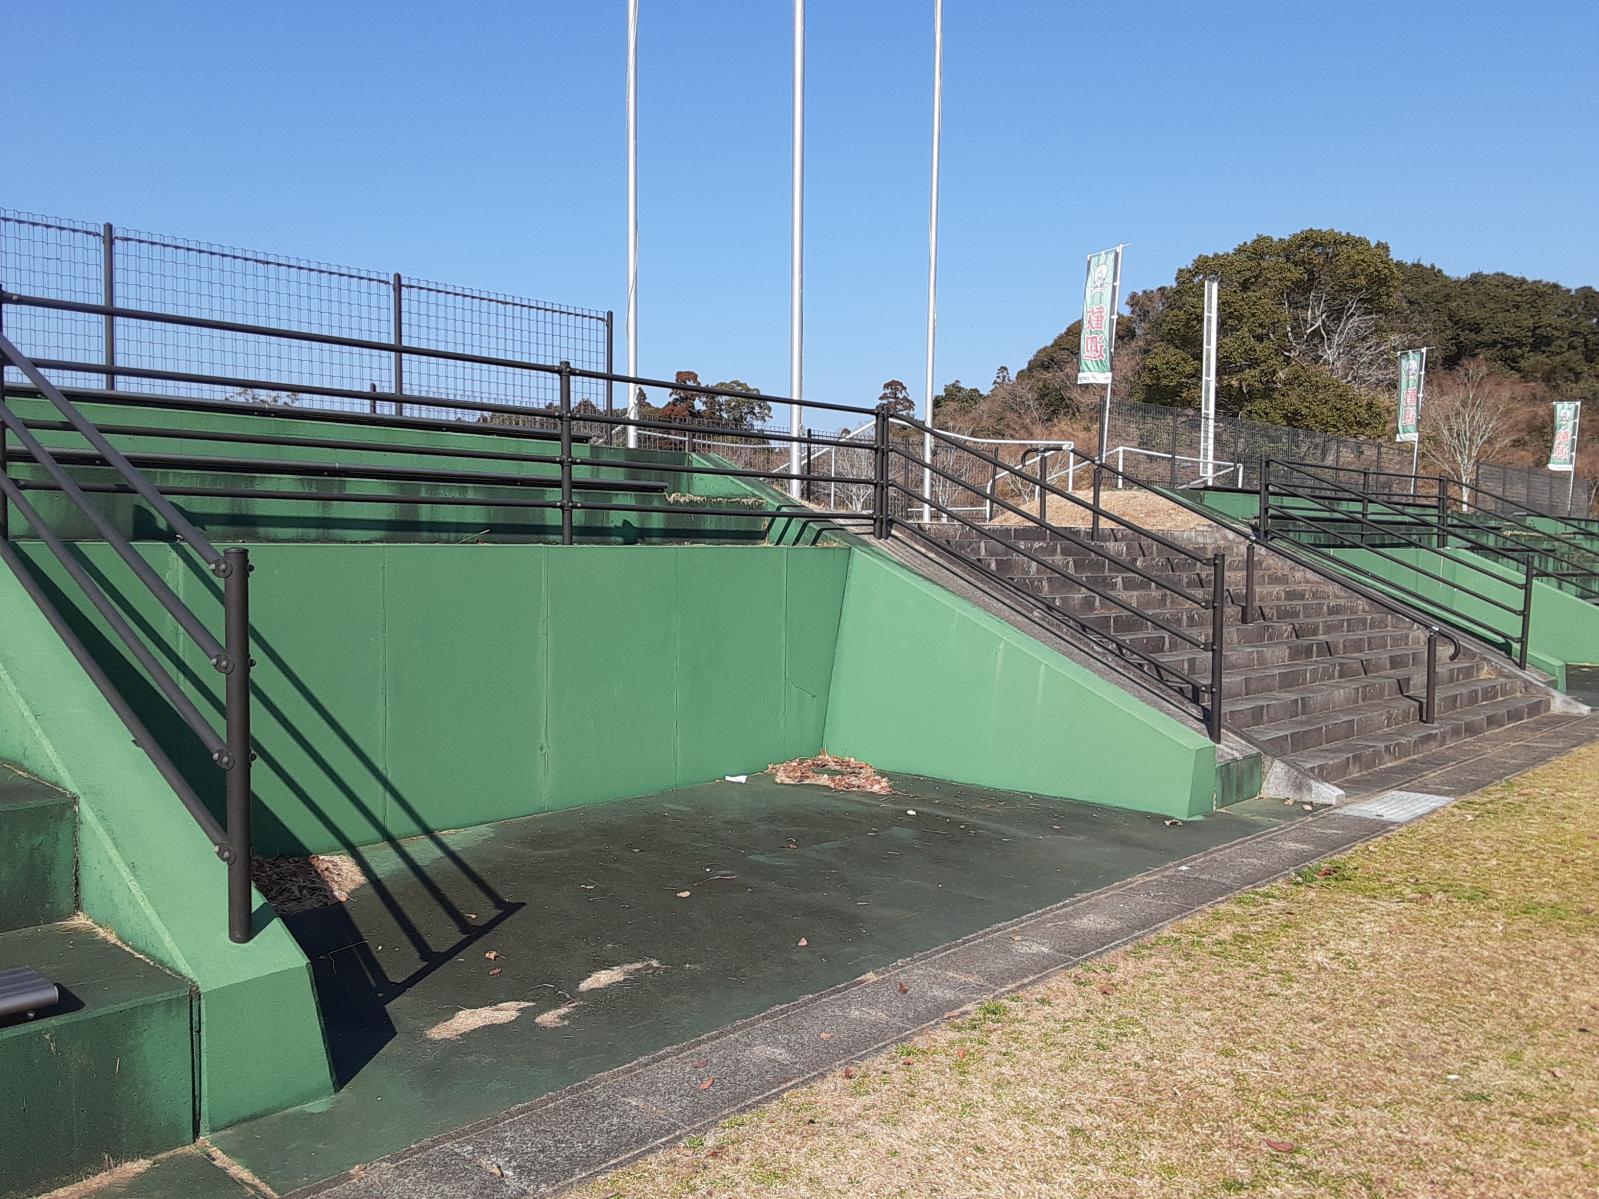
(38, 852)
(1297, 736)
(1362, 754)
(109, 1070)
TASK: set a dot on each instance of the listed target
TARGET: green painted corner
(927, 682)
(147, 873)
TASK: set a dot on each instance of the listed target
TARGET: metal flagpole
(632, 220)
(932, 254)
(1115, 303)
(1415, 446)
(796, 298)
(1207, 388)
(1571, 484)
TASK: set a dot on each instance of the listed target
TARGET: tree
(1001, 376)
(957, 395)
(1465, 414)
(683, 401)
(898, 398)
(1306, 397)
(738, 412)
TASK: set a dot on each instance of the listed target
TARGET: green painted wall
(928, 683)
(407, 688)
(1565, 629)
(38, 830)
(146, 872)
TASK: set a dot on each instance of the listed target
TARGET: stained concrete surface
(791, 890)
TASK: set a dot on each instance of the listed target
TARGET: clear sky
(483, 144)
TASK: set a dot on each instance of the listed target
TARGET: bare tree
(1466, 411)
(1340, 335)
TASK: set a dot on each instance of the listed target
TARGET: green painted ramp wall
(1565, 629)
(928, 683)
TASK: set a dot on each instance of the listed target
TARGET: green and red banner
(1563, 451)
(1098, 340)
(1412, 381)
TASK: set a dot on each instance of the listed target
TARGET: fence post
(398, 322)
(610, 365)
(108, 293)
(566, 452)
(1174, 435)
(236, 610)
(1043, 495)
(1218, 624)
(880, 519)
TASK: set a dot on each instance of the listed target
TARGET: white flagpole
(796, 298)
(632, 219)
(1415, 446)
(1115, 303)
(1207, 388)
(932, 253)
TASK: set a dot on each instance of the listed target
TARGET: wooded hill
(1309, 328)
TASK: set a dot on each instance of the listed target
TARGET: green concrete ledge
(148, 873)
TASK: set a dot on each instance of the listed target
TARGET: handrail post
(1094, 532)
(993, 481)
(236, 607)
(1043, 493)
(1249, 582)
(810, 468)
(1263, 501)
(566, 452)
(1526, 613)
(1443, 514)
(1429, 707)
(5, 436)
(880, 520)
(1218, 622)
(1365, 494)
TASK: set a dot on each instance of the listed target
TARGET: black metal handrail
(1516, 645)
(1511, 537)
(230, 752)
(1205, 693)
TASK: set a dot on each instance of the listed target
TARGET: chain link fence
(58, 258)
(1160, 445)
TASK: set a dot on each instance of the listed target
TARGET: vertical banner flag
(1098, 338)
(1412, 378)
(1563, 453)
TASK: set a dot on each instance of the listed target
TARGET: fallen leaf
(903, 989)
(1169, 823)
(847, 1072)
(907, 1061)
(1280, 1146)
(826, 1036)
(684, 894)
(1106, 989)
(493, 955)
(961, 1052)
(706, 1085)
(494, 971)
(701, 1064)
(803, 942)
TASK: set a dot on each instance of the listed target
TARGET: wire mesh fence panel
(1162, 446)
(62, 260)
(132, 269)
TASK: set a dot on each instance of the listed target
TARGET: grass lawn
(1417, 1018)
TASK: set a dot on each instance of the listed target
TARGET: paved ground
(905, 919)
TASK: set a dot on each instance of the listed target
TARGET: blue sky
(482, 144)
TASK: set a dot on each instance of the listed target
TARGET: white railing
(1218, 467)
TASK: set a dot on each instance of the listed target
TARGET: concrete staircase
(107, 1073)
(1322, 679)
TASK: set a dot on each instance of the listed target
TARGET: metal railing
(1496, 524)
(1321, 515)
(230, 751)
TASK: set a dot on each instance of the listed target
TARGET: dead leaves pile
(829, 770)
(293, 885)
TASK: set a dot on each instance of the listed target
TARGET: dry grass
(1141, 507)
(1419, 1018)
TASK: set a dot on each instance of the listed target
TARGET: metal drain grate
(1397, 807)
